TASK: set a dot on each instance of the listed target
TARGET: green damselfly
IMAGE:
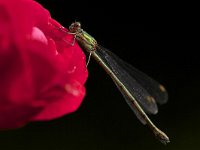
(139, 90)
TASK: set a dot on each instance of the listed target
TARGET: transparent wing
(143, 88)
(132, 106)
(155, 89)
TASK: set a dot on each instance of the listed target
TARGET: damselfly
(140, 91)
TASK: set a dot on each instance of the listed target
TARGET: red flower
(42, 77)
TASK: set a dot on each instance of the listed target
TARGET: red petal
(42, 77)
(68, 104)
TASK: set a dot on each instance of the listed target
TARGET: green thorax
(86, 41)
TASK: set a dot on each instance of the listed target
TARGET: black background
(164, 46)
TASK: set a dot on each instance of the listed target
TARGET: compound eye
(75, 27)
(77, 24)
